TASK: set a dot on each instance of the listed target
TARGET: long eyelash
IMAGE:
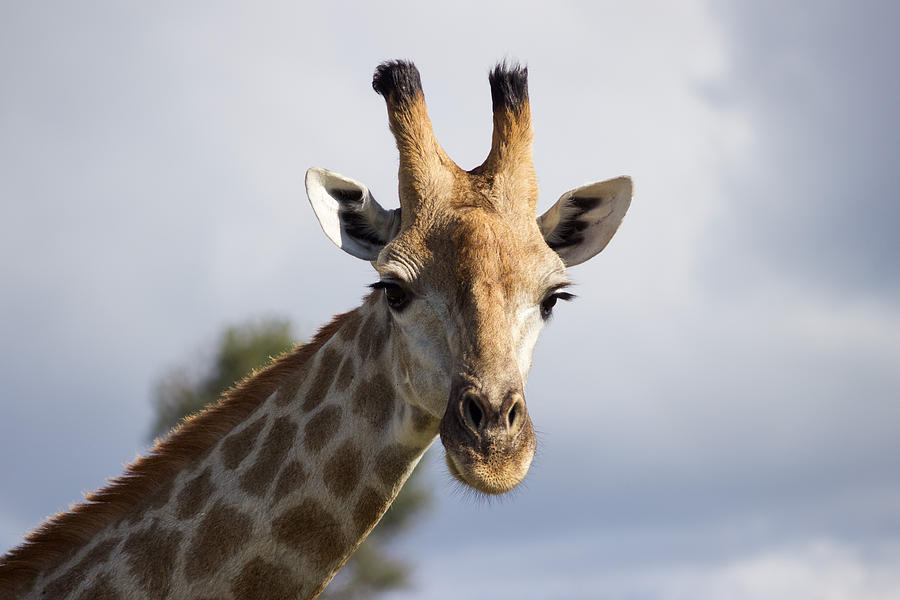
(564, 296)
(381, 285)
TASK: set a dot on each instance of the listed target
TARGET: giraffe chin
(487, 480)
(486, 466)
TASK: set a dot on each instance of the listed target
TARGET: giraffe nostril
(516, 416)
(512, 416)
(472, 411)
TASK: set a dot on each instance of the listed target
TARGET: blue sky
(718, 409)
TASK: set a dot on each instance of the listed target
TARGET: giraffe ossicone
(267, 493)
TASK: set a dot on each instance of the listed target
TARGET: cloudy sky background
(719, 410)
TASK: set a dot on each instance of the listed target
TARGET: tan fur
(62, 534)
(509, 168)
(424, 166)
(428, 177)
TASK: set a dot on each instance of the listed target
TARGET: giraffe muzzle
(489, 442)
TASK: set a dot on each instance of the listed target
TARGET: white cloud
(825, 570)
(571, 569)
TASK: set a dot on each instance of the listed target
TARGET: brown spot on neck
(374, 400)
(152, 553)
(342, 471)
(313, 532)
(369, 508)
(327, 365)
(259, 579)
(238, 445)
(372, 335)
(321, 428)
(219, 536)
(292, 477)
(194, 495)
(393, 462)
(280, 439)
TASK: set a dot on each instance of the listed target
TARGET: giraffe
(267, 493)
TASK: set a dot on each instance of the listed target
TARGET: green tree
(241, 349)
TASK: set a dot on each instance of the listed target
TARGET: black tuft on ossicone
(509, 86)
(398, 79)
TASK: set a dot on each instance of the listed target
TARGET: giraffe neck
(276, 506)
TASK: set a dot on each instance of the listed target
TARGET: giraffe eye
(395, 296)
(550, 301)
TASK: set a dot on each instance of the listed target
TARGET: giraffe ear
(349, 215)
(583, 220)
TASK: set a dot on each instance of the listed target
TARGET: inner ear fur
(349, 214)
(583, 220)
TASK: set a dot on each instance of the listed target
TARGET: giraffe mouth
(491, 462)
(485, 476)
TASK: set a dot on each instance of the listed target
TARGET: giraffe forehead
(473, 250)
(450, 189)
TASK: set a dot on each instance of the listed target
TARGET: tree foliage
(240, 350)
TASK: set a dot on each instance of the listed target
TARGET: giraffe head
(468, 273)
